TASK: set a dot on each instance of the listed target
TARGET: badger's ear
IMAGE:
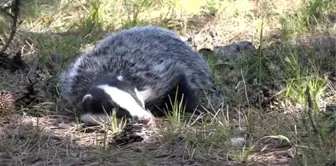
(120, 78)
(87, 99)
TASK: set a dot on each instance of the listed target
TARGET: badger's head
(114, 94)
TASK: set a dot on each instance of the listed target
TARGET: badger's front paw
(145, 117)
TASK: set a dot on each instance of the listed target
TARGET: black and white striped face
(114, 95)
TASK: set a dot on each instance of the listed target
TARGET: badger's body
(134, 70)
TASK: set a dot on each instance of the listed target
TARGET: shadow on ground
(41, 141)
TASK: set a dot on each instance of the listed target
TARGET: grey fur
(146, 56)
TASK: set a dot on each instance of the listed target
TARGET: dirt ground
(49, 141)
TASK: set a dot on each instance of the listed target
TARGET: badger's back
(151, 58)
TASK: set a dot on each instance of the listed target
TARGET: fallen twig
(310, 113)
(15, 9)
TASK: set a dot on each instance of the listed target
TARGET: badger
(137, 73)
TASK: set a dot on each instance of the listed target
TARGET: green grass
(53, 33)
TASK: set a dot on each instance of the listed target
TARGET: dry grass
(266, 101)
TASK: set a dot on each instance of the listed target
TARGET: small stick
(15, 7)
(310, 112)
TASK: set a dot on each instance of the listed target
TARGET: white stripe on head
(143, 95)
(139, 97)
(94, 119)
(126, 101)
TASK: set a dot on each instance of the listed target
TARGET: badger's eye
(87, 107)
